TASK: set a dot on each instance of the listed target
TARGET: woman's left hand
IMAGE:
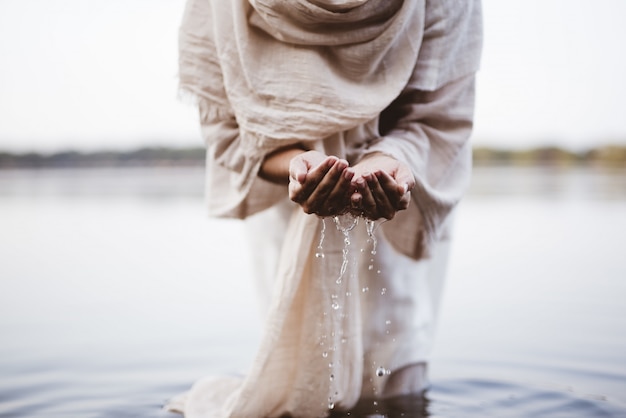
(382, 187)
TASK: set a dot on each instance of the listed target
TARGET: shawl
(337, 63)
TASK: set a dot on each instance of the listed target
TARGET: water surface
(117, 292)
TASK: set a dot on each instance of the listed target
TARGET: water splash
(381, 371)
(320, 249)
(345, 230)
(344, 224)
(370, 227)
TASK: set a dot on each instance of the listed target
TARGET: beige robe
(326, 340)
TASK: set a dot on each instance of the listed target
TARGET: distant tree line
(137, 158)
(610, 155)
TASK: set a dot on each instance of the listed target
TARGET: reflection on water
(103, 183)
(598, 183)
(416, 406)
(475, 398)
(117, 292)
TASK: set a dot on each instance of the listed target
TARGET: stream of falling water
(345, 224)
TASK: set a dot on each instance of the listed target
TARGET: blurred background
(117, 292)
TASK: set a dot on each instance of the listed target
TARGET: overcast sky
(92, 74)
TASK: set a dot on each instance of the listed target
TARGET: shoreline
(602, 156)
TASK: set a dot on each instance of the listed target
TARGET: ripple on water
(488, 398)
(55, 394)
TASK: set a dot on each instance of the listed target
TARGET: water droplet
(330, 365)
(338, 281)
(320, 249)
(381, 371)
(331, 405)
(370, 267)
(344, 340)
(332, 377)
(377, 271)
(348, 294)
(387, 322)
(335, 306)
(365, 289)
(325, 354)
(383, 290)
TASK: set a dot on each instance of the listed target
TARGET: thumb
(298, 169)
(405, 178)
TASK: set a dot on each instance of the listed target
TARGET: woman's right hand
(321, 184)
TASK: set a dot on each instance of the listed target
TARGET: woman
(321, 116)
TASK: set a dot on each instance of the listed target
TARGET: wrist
(275, 165)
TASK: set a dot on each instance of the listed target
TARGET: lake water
(116, 292)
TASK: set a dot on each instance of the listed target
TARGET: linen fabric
(347, 78)
(257, 92)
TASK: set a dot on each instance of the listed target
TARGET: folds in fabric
(233, 55)
(311, 356)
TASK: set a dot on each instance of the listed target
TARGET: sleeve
(233, 187)
(429, 125)
(233, 157)
(431, 135)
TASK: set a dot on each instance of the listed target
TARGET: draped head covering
(336, 64)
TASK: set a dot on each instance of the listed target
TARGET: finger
(298, 169)
(392, 189)
(313, 177)
(368, 203)
(404, 176)
(405, 201)
(356, 199)
(339, 197)
(319, 201)
(384, 208)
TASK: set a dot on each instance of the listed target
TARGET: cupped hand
(320, 184)
(383, 187)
